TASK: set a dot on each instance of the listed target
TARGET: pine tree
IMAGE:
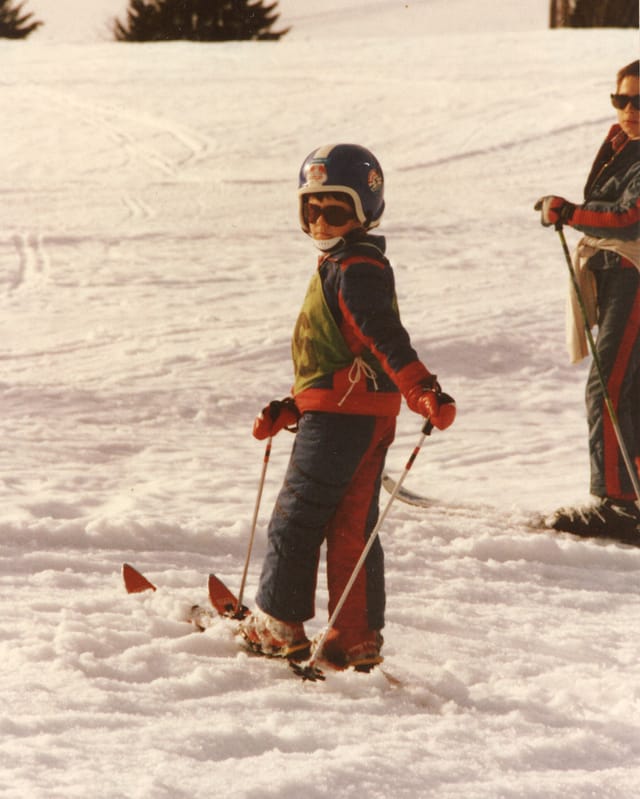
(14, 24)
(197, 20)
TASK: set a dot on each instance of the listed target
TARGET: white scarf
(575, 323)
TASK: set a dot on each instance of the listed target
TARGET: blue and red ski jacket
(612, 192)
(350, 351)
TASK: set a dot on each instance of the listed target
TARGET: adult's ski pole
(311, 671)
(633, 474)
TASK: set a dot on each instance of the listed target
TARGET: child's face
(341, 218)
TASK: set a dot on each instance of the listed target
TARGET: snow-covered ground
(151, 270)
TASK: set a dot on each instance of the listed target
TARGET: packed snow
(151, 272)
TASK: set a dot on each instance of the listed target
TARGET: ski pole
(633, 475)
(310, 671)
(265, 463)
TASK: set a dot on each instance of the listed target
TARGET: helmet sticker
(316, 172)
(374, 180)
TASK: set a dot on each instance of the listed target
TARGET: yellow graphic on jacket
(318, 348)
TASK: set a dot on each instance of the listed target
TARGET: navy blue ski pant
(330, 493)
(618, 347)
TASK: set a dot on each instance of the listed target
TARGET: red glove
(275, 416)
(433, 404)
(554, 210)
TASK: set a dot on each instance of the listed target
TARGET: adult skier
(607, 267)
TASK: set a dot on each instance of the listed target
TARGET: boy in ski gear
(353, 361)
(607, 266)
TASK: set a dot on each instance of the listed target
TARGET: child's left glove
(433, 404)
(277, 415)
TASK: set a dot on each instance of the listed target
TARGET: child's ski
(224, 604)
(224, 601)
(136, 583)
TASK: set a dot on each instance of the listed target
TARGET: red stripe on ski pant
(612, 454)
(347, 533)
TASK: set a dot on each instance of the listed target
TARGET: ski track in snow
(151, 273)
(32, 262)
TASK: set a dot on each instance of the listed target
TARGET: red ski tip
(134, 581)
(223, 600)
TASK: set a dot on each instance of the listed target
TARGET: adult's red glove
(433, 404)
(554, 210)
(275, 416)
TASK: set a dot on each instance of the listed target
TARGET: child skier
(352, 361)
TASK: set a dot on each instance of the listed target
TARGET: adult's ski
(404, 495)
(536, 523)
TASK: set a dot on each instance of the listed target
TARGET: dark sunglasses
(620, 101)
(334, 215)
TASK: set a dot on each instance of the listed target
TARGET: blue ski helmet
(347, 168)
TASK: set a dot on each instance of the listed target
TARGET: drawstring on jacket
(359, 369)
